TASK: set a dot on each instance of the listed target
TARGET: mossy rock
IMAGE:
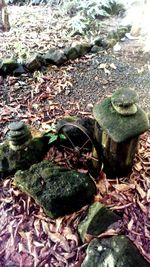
(7, 66)
(11, 160)
(113, 35)
(35, 62)
(98, 219)
(77, 50)
(59, 191)
(71, 53)
(56, 57)
(124, 97)
(118, 127)
(118, 34)
(116, 251)
(83, 48)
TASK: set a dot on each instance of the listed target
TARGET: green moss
(124, 97)
(98, 219)
(11, 160)
(8, 65)
(58, 190)
(126, 110)
(118, 127)
(116, 251)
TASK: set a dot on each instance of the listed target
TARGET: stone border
(57, 57)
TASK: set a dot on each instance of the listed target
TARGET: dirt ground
(98, 76)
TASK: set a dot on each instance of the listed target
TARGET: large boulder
(116, 251)
(98, 219)
(59, 191)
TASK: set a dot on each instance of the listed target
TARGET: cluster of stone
(58, 57)
(120, 117)
(124, 101)
(18, 135)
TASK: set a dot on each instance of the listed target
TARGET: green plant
(85, 13)
(53, 135)
(80, 24)
(113, 7)
(22, 52)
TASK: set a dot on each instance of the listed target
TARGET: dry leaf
(107, 71)
(112, 65)
(138, 166)
(124, 187)
(102, 66)
(140, 191)
(130, 224)
(142, 207)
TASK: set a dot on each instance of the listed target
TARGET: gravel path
(100, 75)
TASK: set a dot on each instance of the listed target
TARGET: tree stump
(4, 17)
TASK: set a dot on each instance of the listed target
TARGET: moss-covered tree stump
(121, 121)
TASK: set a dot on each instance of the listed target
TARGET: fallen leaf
(124, 187)
(140, 191)
(112, 65)
(130, 224)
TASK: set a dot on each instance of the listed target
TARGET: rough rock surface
(120, 128)
(98, 219)
(116, 251)
(11, 161)
(59, 191)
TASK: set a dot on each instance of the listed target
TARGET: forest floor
(43, 97)
(74, 87)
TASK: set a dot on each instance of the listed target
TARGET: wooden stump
(4, 17)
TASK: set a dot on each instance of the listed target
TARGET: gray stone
(35, 62)
(98, 219)
(16, 125)
(17, 137)
(71, 53)
(59, 191)
(16, 133)
(95, 49)
(116, 251)
(19, 70)
(56, 57)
